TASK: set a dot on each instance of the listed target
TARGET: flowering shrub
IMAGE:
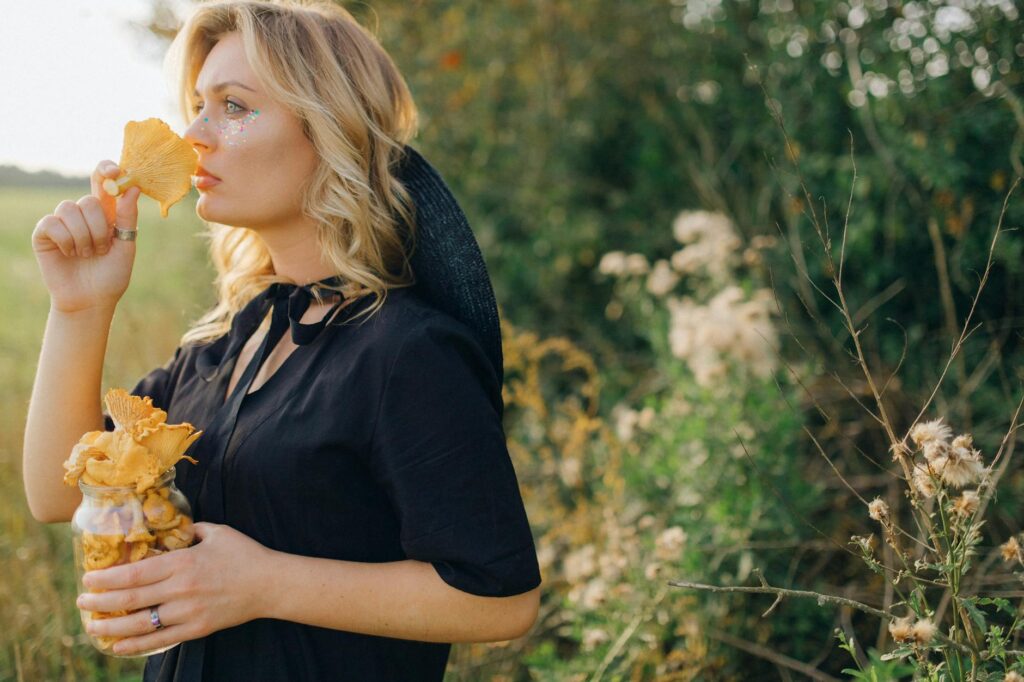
(718, 327)
(702, 442)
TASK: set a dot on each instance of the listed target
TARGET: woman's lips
(204, 181)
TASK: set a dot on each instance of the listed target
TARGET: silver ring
(125, 235)
(154, 618)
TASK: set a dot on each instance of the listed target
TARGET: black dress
(374, 441)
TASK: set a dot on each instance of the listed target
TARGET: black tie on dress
(288, 303)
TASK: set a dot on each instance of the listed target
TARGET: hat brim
(447, 262)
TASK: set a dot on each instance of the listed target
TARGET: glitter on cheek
(233, 132)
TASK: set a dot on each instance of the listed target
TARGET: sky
(72, 73)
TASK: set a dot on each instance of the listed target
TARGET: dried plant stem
(974, 304)
(1000, 462)
(945, 290)
(780, 593)
(769, 655)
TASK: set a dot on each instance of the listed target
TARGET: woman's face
(250, 143)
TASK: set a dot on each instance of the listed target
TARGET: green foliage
(878, 669)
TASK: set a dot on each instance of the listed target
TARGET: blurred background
(644, 179)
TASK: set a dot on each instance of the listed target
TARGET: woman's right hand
(83, 265)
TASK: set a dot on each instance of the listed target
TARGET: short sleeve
(439, 451)
(157, 385)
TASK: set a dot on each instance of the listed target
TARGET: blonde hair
(357, 111)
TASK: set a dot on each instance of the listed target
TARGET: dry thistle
(935, 450)
(966, 504)
(1013, 676)
(900, 451)
(902, 629)
(1011, 550)
(923, 631)
(960, 466)
(923, 481)
(866, 544)
(879, 510)
(930, 432)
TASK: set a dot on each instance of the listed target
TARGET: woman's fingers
(51, 230)
(92, 211)
(82, 228)
(71, 215)
(137, 623)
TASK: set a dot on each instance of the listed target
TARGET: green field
(40, 634)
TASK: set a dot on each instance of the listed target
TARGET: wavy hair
(356, 110)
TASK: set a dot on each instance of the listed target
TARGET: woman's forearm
(65, 404)
(401, 599)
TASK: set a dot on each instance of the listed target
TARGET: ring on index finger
(125, 235)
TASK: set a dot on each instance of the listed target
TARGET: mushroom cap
(140, 449)
(158, 161)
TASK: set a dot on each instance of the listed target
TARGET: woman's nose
(199, 134)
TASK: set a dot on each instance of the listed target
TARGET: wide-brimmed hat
(446, 261)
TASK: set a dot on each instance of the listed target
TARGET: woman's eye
(196, 108)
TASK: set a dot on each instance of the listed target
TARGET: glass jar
(114, 526)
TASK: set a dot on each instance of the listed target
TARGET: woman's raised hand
(83, 266)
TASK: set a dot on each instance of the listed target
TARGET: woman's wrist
(99, 312)
(265, 584)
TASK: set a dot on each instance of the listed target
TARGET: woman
(357, 509)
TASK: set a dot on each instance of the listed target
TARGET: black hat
(446, 261)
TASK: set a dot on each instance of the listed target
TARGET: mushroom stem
(117, 187)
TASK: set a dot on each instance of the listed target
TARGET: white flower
(669, 545)
(692, 226)
(636, 264)
(612, 263)
(729, 327)
(711, 244)
(662, 279)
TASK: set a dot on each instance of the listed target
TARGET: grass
(40, 633)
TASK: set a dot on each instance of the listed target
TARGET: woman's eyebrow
(225, 84)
